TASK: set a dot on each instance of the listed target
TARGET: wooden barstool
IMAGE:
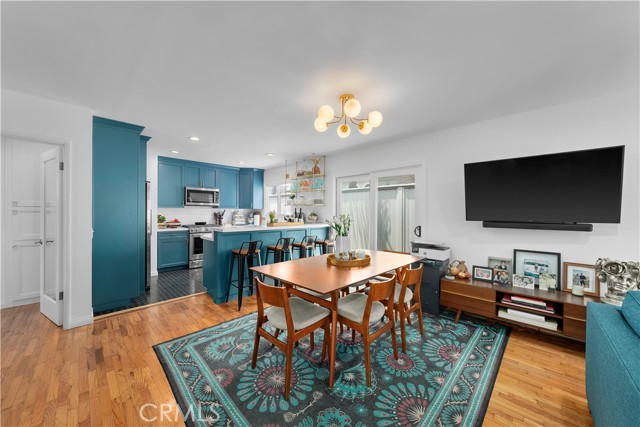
(245, 255)
(308, 243)
(282, 247)
(326, 244)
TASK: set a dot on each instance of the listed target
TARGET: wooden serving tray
(284, 224)
(331, 260)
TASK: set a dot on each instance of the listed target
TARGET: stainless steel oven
(194, 196)
(196, 244)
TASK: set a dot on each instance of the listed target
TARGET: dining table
(317, 275)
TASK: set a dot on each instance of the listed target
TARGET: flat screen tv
(550, 191)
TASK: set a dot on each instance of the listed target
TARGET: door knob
(50, 241)
(38, 242)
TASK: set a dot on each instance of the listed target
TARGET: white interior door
(51, 304)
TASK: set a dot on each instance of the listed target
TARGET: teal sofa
(613, 362)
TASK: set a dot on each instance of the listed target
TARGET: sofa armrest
(612, 367)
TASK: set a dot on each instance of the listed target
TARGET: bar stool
(282, 247)
(245, 255)
(308, 243)
(326, 244)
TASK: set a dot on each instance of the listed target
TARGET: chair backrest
(285, 243)
(310, 240)
(275, 297)
(380, 291)
(410, 277)
(251, 247)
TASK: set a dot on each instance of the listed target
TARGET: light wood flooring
(102, 374)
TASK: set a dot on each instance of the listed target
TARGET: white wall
(598, 122)
(49, 120)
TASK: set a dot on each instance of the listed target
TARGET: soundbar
(538, 225)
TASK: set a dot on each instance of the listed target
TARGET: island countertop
(252, 228)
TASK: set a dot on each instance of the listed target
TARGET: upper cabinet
(251, 189)
(170, 183)
(175, 174)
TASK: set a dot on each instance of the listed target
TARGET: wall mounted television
(561, 191)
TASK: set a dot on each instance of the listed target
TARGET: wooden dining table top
(314, 273)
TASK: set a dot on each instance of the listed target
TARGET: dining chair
(407, 300)
(360, 311)
(296, 316)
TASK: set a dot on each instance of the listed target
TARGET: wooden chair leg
(325, 340)
(353, 335)
(406, 307)
(287, 376)
(420, 321)
(394, 341)
(403, 333)
(311, 341)
(367, 358)
(256, 343)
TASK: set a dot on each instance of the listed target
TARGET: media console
(559, 313)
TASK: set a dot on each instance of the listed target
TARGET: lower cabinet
(173, 249)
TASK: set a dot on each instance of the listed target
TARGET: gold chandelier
(350, 109)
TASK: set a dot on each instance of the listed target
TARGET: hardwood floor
(103, 374)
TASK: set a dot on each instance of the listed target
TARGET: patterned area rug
(444, 379)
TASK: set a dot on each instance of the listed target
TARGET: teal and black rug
(444, 379)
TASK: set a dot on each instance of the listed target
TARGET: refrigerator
(147, 234)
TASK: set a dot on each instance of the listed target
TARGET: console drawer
(468, 303)
(575, 311)
(575, 328)
(479, 292)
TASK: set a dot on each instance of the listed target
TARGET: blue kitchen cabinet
(118, 250)
(170, 183)
(251, 189)
(228, 185)
(173, 249)
(197, 175)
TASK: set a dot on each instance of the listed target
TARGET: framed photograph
(500, 264)
(501, 277)
(520, 281)
(581, 274)
(547, 282)
(484, 274)
(536, 263)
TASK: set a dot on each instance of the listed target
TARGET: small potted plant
(272, 217)
(161, 221)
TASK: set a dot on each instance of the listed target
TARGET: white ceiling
(248, 78)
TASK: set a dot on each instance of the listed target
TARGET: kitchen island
(218, 246)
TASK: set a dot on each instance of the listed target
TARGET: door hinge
(60, 296)
(61, 166)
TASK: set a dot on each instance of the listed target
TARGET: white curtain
(396, 214)
(355, 201)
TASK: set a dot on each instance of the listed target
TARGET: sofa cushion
(631, 310)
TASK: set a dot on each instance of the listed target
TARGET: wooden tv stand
(486, 299)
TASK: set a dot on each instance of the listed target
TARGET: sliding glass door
(354, 199)
(384, 218)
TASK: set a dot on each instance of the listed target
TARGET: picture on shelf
(484, 274)
(500, 264)
(581, 275)
(501, 277)
(547, 281)
(520, 281)
(533, 264)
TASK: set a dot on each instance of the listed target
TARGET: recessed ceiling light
(175, 152)
(270, 155)
(241, 163)
(194, 138)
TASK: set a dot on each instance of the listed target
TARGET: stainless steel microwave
(194, 196)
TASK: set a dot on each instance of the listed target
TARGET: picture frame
(574, 273)
(522, 281)
(534, 263)
(502, 269)
(484, 274)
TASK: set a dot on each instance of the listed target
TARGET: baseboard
(19, 302)
(80, 321)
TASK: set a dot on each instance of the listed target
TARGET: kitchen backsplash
(192, 214)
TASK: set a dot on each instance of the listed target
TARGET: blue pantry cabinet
(251, 194)
(173, 249)
(118, 245)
